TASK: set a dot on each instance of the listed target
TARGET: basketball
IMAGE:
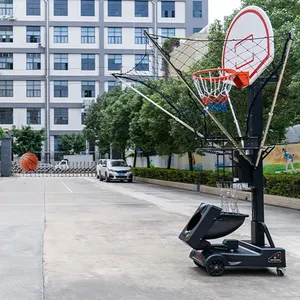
(29, 161)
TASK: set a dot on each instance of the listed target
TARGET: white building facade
(56, 56)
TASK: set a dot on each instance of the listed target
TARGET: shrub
(281, 184)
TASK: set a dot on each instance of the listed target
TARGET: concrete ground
(81, 239)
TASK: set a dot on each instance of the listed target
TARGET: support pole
(6, 154)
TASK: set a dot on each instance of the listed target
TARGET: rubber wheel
(97, 176)
(100, 177)
(106, 178)
(197, 264)
(130, 180)
(215, 267)
(279, 272)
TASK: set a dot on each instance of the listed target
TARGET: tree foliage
(27, 140)
(3, 134)
(73, 143)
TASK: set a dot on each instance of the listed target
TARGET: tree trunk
(124, 155)
(169, 161)
(134, 159)
(191, 165)
(148, 161)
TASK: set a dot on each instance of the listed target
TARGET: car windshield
(118, 163)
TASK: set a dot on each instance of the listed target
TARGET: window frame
(60, 88)
(8, 61)
(90, 62)
(88, 39)
(168, 12)
(116, 37)
(91, 91)
(111, 86)
(8, 32)
(61, 116)
(4, 111)
(60, 35)
(140, 39)
(34, 34)
(34, 6)
(6, 89)
(114, 8)
(114, 65)
(6, 9)
(33, 88)
(83, 8)
(136, 8)
(197, 11)
(60, 8)
(61, 62)
(34, 60)
(28, 116)
(138, 62)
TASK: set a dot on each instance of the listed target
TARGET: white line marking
(66, 187)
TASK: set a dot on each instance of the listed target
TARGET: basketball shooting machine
(248, 53)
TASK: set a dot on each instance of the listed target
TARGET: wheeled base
(243, 254)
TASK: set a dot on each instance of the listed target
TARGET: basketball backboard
(249, 43)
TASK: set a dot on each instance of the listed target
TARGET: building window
(115, 35)
(88, 35)
(112, 84)
(60, 7)
(197, 9)
(141, 8)
(6, 88)
(6, 34)
(33, 7)
(88, 62)
(33, 116)
(6, 116)
(114, 8)
(61, 116)
(114, 62)
(168, 9)
(6, 61)
(33, 61)
(195, 30)
(61, 35)
(167, 33)
(33, 88)
(87, 89)
(87, 8)
(60, 88)
(141, 62)
(140, 38)
(60, 61)
(33, 34)
(6, 7)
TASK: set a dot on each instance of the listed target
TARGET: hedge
(281, 184)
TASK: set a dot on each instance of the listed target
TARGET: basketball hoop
(214, 85)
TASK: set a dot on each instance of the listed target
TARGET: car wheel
(97, 176)
(130, 180)
(100, 177)
(106, 178)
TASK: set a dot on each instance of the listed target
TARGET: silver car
(115, 169)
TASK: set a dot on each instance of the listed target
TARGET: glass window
(114, 35)
(197, 9)
(168, 9)
(33, 116)
(61, 116)
(167, 33)
(60, 88)
(197, 30)
(141, 62)
(87, 89)
(112, 84)
(61, 35)
(87, 7)
(6, 61)
(33, 34)
(141, 8)
(140, 38)
(6, 7)
(60, 61)
(6, 88)
(33, 88)
(33, 61)
(88, 62)
(114, 8)
(114, 62)
(6, 116)
(56, 142)
(87, 35)
(6, 34)
(33, 7)
(60, 7)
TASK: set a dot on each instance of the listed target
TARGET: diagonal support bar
(263, 141)
(212, 116)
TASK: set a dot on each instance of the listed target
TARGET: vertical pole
(256, 131)
(6, 157)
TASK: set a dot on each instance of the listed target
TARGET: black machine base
(242, 254)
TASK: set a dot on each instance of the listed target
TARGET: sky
(220, 8)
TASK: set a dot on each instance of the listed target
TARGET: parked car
(62, 165)
(115, 169)
(100, 162)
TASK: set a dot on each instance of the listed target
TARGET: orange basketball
(29, 161)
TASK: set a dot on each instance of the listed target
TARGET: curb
(280, 201)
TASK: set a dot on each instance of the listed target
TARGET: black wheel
(100, 177)
(106, 178)
(130, 180)
(97, 176)
(197, 264)
(215, 267)
(280, 272)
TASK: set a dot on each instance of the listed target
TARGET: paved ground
(79, 239)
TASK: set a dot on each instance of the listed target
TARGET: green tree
(27, 140)
(2, 133)
(72, 143)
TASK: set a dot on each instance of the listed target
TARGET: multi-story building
(58, 55)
